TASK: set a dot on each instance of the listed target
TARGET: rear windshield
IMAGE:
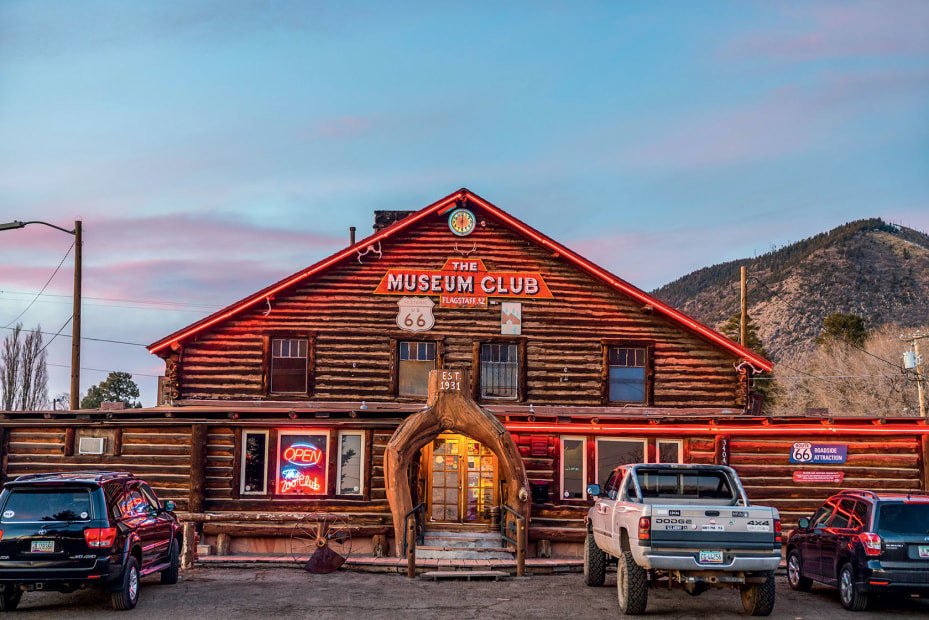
(29, 505)
(901, 518)
(685, 485)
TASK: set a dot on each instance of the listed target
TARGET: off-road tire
(758, 598)
(169, 575)
(631, 585)
(594, 562)
(852, 599)
(127, 595)
(795, 578)
(9, 598)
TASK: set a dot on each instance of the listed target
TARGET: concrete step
(435, 538)
(435, 575)
(428, 552)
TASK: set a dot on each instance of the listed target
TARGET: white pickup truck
(688, 524)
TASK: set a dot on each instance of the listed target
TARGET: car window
(859, 515)
(30, 505)
(630, 490)
(903, 518)
(149, 496)
(843, 514)
(132, 504)
(822, 515)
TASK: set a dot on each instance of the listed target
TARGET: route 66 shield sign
(415, 314)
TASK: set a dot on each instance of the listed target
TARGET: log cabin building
(458, 365)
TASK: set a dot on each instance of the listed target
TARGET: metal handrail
(419, 513)
(503, 525)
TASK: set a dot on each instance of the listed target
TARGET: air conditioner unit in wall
(91, 445)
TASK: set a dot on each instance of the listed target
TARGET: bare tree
(23, 371)
(848, 380)
(9, 368)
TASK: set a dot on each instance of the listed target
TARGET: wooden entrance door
(462, 480)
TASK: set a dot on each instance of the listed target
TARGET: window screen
(499, 371)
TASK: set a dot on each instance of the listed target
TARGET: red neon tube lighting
(248, 302)
(717, 429)
(628, 289)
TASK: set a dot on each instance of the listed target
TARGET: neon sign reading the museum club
(302, 463)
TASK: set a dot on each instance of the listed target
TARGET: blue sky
(213, 147)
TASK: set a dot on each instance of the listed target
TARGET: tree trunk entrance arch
(450, 408)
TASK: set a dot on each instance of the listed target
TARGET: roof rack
(99, 475)
(859, 492)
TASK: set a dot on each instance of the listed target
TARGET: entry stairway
(463, 545)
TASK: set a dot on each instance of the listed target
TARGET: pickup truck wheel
(758, 598)
(631, 585)
(128, 594)
(169, 575)
(9, 598)
(852, 598)
(795, 577)
(594, 562)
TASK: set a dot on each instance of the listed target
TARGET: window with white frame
(289, 365)
(670, 451)
(613, 452)
(351, 463)
(254, 474)
(573, 468)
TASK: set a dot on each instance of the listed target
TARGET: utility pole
(914, 362)
(76, 323)
(743, 321)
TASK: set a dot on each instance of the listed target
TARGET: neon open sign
(303, 455)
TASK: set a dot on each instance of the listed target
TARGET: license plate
(711, 557)
(924, 551)
(43, 546)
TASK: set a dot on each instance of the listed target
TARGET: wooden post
(924, 460)
(521, 538)
(198, 438)
(743, 321)
(118, 442)
(411, 547)
(189, 530)
(223, 542)
(69, 441)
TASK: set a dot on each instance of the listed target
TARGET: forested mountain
(869, 268)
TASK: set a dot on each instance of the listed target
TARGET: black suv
(863, 542)
(69, 530)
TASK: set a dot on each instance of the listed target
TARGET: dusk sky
(212, 148)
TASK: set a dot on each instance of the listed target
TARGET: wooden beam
(198, 440)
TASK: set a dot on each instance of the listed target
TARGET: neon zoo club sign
(302, 464)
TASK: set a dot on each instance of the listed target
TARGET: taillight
(777, 531)
(870, 542)
(645, 526)
(100, 536)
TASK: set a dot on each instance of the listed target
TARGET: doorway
(461, 480)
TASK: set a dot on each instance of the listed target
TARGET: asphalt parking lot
(282, 593)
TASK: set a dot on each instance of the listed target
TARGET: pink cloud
(343, 127)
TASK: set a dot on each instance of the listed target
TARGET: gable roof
(460, 198)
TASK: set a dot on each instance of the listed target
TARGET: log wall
(352, 329)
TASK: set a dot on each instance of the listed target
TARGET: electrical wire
(56, 334)
(44, 287)
(128, 301)
(134, 374)
(134, 344)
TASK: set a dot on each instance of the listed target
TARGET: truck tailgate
(712, 527)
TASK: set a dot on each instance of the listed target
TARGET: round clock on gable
(461, 222)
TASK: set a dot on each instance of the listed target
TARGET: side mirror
(169, 506)
(803, 523)
(593, 490)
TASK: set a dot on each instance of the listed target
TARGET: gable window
(626, 374)
(500, 371)
(416, 359)
(289, 365)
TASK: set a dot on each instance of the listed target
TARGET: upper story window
(416, 359)
(289, 367)
(627, 374)
(500, 370)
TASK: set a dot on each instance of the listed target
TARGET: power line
(130, 301)
(806, 316)
(134, 344)
(54, 273)
(134, 374)
(56, 335)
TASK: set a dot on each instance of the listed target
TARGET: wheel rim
(133, 583)
(846, 587)
(793, 570)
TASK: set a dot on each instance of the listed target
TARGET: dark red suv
(863, 542)
(69, 530)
